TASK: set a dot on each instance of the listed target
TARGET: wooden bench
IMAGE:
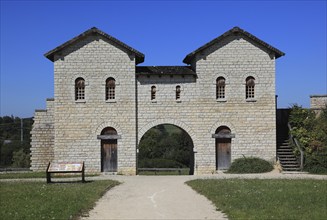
(155, 170)
(65, 167)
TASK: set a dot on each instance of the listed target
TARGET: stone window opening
(249, 88)
(220, 88)
(110, 88)
(79, 89)
(153, 92)
(178, 92)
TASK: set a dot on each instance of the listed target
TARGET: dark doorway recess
(223, 148)
(109, 151)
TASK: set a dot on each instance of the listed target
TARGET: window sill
(80, 101)
(153, 101)
(250, 100)
(111, 101)
(178, 101)
(221, 100)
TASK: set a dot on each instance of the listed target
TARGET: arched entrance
(223, 147)
(166, 146)
(108, 149)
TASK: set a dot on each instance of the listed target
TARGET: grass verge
(26, 175)
(266, 199)
(33, 200)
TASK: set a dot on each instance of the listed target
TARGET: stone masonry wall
(42, 141)
(67, 131)
(318, 102)
(200, 114)
(78, 123)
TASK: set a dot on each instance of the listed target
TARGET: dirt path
(159, 197)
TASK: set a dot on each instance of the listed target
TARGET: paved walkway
(153, 197)
(167, 197)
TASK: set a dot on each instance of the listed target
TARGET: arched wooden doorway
(108, 150)
(223, 147)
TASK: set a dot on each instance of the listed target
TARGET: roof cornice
(138, 55)
(234, 31)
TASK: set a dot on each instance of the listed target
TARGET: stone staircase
(287, 158)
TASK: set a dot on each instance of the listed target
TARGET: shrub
(250, 165)
(316, 163)
(21, 159)
(311, 131)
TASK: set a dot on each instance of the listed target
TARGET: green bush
(160, 163)
(21, 159)
(311, 131)
(316, 163)
(250, 165)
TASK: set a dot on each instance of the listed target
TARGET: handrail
(297, 144)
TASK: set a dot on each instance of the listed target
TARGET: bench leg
(48, 177)
(83, 177)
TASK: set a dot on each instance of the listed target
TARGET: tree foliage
(311, 130)
(164, 146)
(14, 151)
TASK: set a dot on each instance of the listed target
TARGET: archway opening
(166, 149)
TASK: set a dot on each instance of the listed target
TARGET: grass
(33, 200)
(24, 175)
(266, 199)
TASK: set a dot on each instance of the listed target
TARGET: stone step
(289, 162)
(285, 154)
(291, 169)
(285, 150)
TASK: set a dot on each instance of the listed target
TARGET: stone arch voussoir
(103, 125)
(175, 122)
(222, 123)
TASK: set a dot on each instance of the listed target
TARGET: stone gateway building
(104, 102)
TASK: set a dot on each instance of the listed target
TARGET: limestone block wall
(78, 123)
(318, 101)
(200, 114)
(42, 140)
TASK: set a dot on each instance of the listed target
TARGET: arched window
(249, 88)
(153, 92)
(79, 89)
(110, 88)
(178, 92)
(220, 88)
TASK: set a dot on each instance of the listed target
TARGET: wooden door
(109, 156)
(223, 153)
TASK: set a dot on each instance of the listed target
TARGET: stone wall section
(78, 123)
(318, 102)
(67, 131)
(200, 114)
(42, 140)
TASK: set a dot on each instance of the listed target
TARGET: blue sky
(165, 31)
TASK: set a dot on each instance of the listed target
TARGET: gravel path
(153, 197)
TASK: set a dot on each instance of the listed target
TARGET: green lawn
(33, 200)
(266, 199)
